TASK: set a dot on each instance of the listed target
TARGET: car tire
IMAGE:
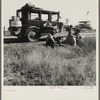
(31, 36)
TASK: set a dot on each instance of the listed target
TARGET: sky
(74, 10)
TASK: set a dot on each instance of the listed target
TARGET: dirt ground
(13, 39)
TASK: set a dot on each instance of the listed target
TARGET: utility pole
(67, 21)
(87, 15)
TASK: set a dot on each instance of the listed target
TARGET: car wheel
(31, 36)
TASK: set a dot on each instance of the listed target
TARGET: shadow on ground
(16, 40)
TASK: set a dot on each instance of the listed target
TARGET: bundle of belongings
(28, 6)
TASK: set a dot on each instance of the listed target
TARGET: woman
(71, 38)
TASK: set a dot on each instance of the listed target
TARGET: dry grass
(28, 64)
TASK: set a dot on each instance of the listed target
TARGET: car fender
(36, 29)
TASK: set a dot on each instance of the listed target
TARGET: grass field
(31, 64)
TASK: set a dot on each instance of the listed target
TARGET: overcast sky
(74, 10)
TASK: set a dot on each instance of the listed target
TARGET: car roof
(38, 10)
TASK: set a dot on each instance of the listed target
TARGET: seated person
(76, 33)
(71, 38)
(50, 40)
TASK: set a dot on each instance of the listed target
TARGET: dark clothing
(71, 38)
(69, 31)
(50, 41)
(58, 41)
(76, 33)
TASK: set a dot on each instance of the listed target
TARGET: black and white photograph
(49, 42)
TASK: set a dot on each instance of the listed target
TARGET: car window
(34, 16)
(44, 17)
(54, 17)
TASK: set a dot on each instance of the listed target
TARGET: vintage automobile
(85, 26)
(30, 22)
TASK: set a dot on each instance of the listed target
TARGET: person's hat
(71, 26)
